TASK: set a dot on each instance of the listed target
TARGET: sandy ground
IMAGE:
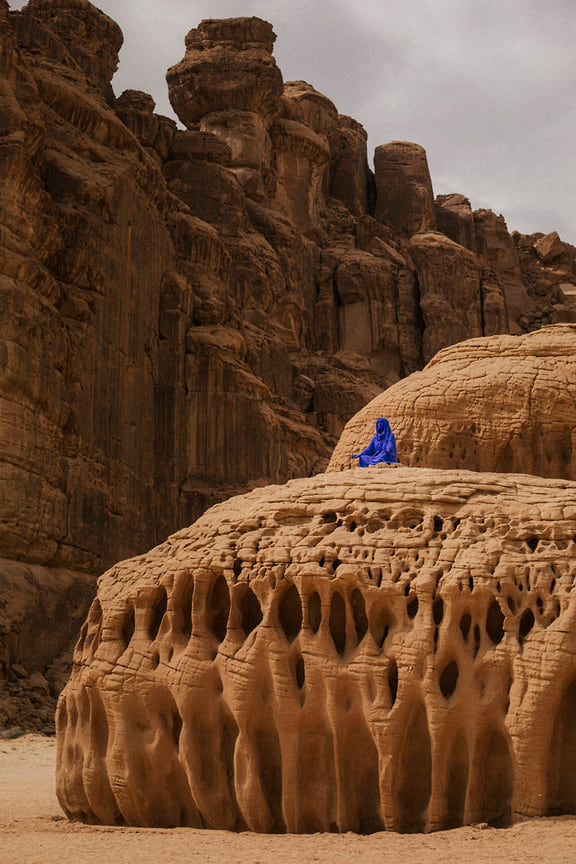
(34, 831)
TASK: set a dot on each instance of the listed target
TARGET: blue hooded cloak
(382, 447)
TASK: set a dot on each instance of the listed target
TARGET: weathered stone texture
(501, 404)
(404, 188)
(369, 649)
(187, 313)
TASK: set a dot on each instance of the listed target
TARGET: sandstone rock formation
(185, 314)
(359, 650)
(404, 187)
(507, 403)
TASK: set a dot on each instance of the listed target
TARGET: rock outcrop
(356, 651)
(185, 314)
(507, 403)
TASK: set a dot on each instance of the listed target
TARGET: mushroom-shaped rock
(379, 648)
(404, 195)
(503, 403)
(228, 65)
(228, 82)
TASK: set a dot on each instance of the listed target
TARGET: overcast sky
(486, 86)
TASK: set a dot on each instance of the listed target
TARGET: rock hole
(532, 543)
(250, 611)
(338, 622)
(352, 525)
(290, 613)
(300, 672)
(393, 681)
(315, 612)
(477, 639)
(498, 587)
(436, 634)
(159, 606)
(95, 613)
(471, 583)
(322, 561)
(511, 604)
(456, 523)
(219, 608)
(335, 564)
(539, 603)
(128, 625)
(465, 624)
(380, 627)
(237, 566)
(329, 517)
(438, 524)
(184, 605)
(552, 586)
(495, 622)
(412, 607)
(359, 614)
(449, 679)
(82, 638)
(438, 610)
(176, 727)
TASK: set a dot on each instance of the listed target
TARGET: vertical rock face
(188, 313)
(404, 187)
(455, 218)
(350, 652)
(450, 295)
(91, 37)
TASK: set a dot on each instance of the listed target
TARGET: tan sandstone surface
(378, 648)
(33, 831)
(507, 403)
(188, 313)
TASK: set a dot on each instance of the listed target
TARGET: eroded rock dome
(503, 403)
(356, 651)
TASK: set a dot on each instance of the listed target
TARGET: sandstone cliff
(378, 648)
(188, 313)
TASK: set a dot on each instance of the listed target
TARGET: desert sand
(34, 831)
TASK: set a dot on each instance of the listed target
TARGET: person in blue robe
(382, 447)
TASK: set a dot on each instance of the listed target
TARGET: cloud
(484, 85)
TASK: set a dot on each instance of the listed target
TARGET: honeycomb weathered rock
(376, 648)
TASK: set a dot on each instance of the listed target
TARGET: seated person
(382, 447)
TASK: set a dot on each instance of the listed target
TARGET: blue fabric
(382, 447)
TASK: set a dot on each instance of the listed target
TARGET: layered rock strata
(357, 651)
(185, 314)
(501, 404)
